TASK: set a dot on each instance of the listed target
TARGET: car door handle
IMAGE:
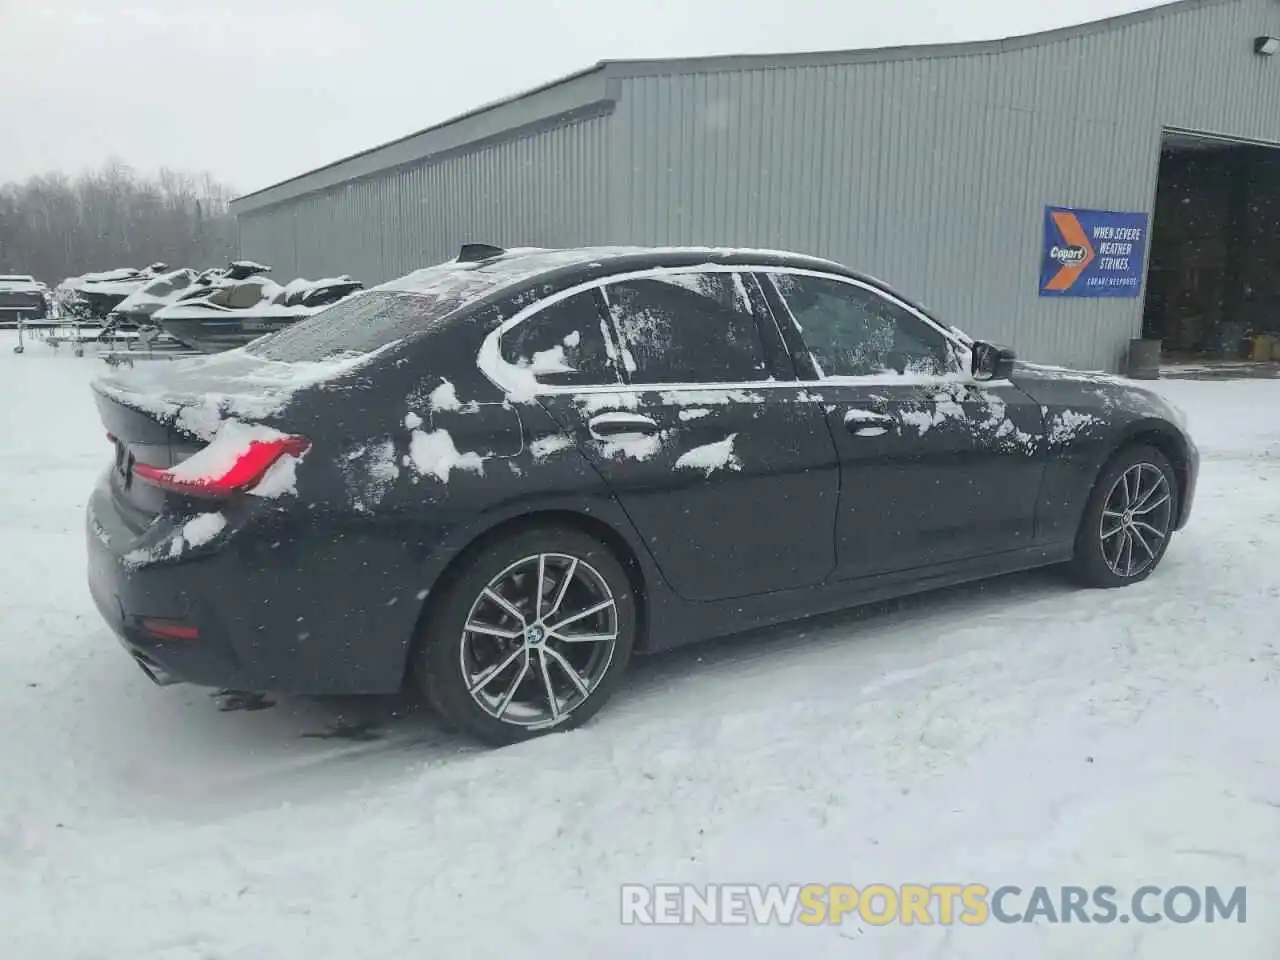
(607, 426)
(868, 423)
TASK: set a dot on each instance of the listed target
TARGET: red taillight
(171, 630)
(111, 436)
(235, 461)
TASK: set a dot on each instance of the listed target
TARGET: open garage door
(1213, 283)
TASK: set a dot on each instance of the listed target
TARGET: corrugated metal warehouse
(931, 167)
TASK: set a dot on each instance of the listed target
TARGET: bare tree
(54, 227)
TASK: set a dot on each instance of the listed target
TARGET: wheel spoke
(1133, 532)
(565, 580)
(1144, 498)
(488, 676)
(1158, 534)
(1150, 507)
(603, 605)
(505, 604)
(542, 585)
(584, 637)
(490, 631)
(1128, 554)
(511, 692)
(553, 701)
(1113, 557)
(574, 677)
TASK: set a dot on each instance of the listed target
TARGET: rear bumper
(279, 603)
(126, 595)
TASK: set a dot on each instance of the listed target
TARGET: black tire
(1098, 564)
(442, 645)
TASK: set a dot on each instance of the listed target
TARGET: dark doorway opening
(1213, 282)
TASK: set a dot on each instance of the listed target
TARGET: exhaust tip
(153, 671)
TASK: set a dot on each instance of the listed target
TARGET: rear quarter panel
(413, 459)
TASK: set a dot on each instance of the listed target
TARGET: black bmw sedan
(502, 476)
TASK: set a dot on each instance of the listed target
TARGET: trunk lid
(166, 412)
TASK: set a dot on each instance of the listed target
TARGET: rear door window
(565, 344)
(688, 328)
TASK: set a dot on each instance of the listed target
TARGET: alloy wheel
(539, 639)
(1137, 517)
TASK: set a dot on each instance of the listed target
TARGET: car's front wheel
(1128, 520)
(532, 634)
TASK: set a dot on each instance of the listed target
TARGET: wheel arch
(591, 525)
(1166, 439)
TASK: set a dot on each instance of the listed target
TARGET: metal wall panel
(933, 172)
(929, 168)
(546, 189)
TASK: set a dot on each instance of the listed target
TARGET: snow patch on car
(203, 529)
(863, 416)
(280, 480)
(229, 445)
(370, 473)
(633, 448)
(1000, 427)
(412, 421)
(695, 413)
(196, 532)
(1063, 426)
(545, 446)
(551, 360)
(444, 397)
(679, 398)
(1079, 376)
(434, 454)
(943, 408)
(711, 457)
(263, 387)
(609, 401)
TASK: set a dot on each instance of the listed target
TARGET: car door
(720, 458)
(936, 467)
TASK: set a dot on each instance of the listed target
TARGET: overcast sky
(255, 91)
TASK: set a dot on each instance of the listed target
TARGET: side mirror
(991, 362)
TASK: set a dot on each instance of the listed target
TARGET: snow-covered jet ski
(95, 295)
(236, 311)
(136, 309)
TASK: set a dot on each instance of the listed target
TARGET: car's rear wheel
(1128, 520)
(531, 635)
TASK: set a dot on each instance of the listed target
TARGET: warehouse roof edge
(595, 89)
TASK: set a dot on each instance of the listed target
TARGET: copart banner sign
(1093, 253)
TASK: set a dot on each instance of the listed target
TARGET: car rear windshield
(369, 321)
(359, 325)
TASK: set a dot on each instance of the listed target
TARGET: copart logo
(1068, 255)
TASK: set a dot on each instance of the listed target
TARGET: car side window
(688, 328)
(564, 344)
(854, 332)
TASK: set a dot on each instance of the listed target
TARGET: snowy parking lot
(1023, 732)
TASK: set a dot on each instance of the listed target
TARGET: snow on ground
(1025, 732)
